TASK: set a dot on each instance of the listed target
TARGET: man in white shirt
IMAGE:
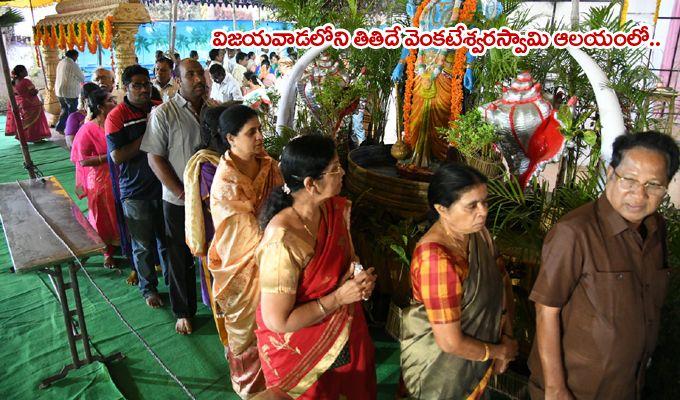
(163, 81)
(172, 135)
(216, 56)
(230, 61)
(224, 88)
(240, 67)
(67, 87)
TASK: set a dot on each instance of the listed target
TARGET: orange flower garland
(410, 73)
(52, 39)
(36, 36)
(70, 35)
(468, 11)
(62, 37)
(91, 36)
(76, 34)
(106, 37)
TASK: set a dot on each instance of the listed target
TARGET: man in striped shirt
(140, 190)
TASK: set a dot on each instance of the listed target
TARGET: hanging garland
(79, 35)
(91, 37)
(468, 11)
(76, 34)
(61, 37)
(105, 32)
(410, 74)
(52, 39)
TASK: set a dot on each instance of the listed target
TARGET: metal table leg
(72, 327)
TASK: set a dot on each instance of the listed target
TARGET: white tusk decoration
(611, 116)
(286, 112)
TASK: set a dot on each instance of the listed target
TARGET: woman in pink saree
(30, 109)
(93, 179)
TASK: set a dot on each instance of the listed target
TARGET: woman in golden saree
(311, 330)
(244, 178)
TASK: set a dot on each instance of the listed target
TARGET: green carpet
(34, 342)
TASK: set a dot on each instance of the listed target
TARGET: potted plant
(476, 140)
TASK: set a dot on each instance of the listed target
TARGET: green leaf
(10, 17)
(590, 137)
(401, 253)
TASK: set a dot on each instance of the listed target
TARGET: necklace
(459, 244)
(302, 222)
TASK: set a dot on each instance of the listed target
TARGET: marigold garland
(466, 14)
(410, 73)
(91, 37)
(106, 35)
(51, 36)
(77, 34)
(80, 36)
(70, 35)
(62, 37)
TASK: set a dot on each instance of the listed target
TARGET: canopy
(27, 3)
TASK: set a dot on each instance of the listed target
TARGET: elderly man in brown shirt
(603, 279)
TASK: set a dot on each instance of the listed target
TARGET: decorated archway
(112, 24)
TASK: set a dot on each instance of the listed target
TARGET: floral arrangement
(76, 34)
(466, 14)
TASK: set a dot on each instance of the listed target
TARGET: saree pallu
(95, 182)
(333, 359)
(235, 200)
(430, 373)
(198, 226)
(31, 112)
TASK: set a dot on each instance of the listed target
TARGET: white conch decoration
(286, 112)
(611, 116)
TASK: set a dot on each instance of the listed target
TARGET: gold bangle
(486, 353)
(321, 307)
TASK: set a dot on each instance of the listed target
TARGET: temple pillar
(124, 47)
(50, 60)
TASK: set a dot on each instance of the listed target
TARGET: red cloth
(31, 112)
(289, 358)
(95, 182)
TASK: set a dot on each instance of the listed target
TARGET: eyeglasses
(334, 171)
(629, 184)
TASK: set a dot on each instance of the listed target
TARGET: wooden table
(36, 216)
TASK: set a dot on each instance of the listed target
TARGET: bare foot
(153, 300)
(132, 278)
(183, 326)
(109, 262)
